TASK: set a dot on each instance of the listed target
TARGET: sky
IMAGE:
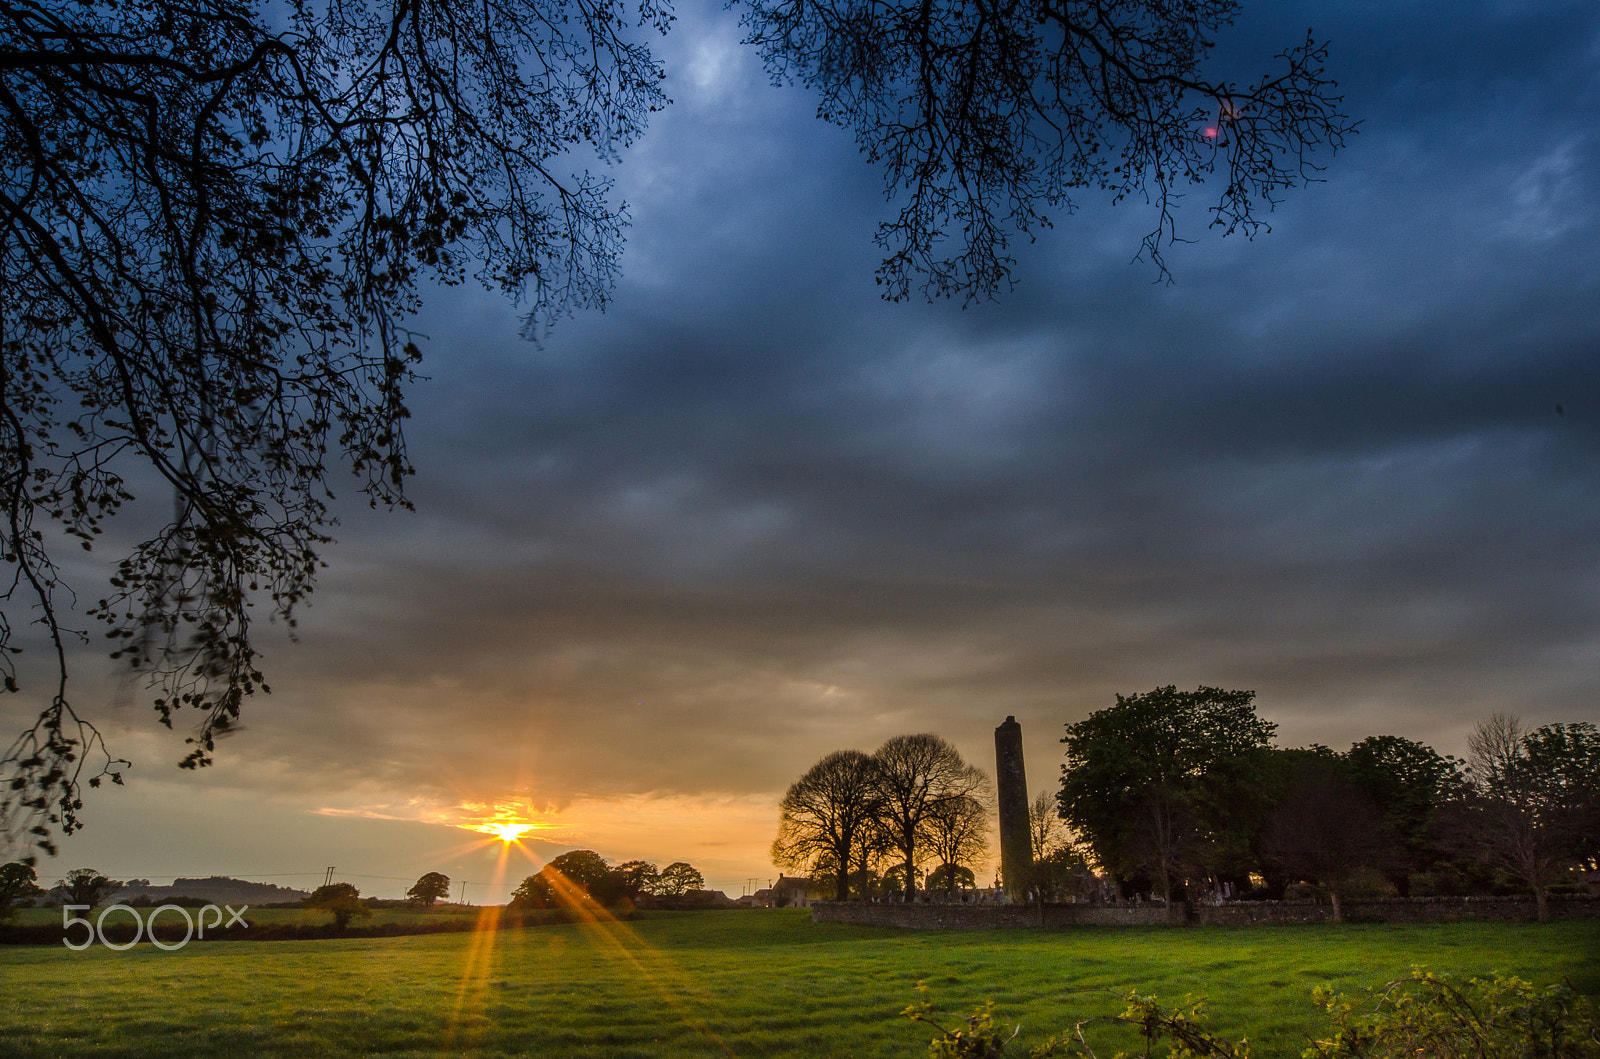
(670, 556)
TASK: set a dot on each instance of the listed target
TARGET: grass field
(759, 983)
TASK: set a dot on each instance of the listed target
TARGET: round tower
(1016, 844)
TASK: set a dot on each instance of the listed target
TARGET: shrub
(1428, 1014)
(1425, 1014)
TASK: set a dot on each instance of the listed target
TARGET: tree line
(864, 824)
(1172, 792)
(1178, 794)
(582, 875)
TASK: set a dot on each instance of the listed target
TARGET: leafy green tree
(570, 879)
(330, 891)
(680, 877)
(1166, 782)
(18, 882)
(431, 887)
(85, 886)
(533, 892)
(1409, 782)
(583, 868)
(632, 878)
(827, 817)
(341, 900)
(1563, 765)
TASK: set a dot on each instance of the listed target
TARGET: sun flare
(511, 832)
(505, 830)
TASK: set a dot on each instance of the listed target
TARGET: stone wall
(1240, 913)
(977, 917)
(1394, 910)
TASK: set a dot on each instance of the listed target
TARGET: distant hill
(217, 888)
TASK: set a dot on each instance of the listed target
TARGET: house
(790, 891)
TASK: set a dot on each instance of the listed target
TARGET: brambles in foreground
(1425, 1014)
(1428, 1014)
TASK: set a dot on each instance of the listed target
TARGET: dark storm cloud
(751, 513)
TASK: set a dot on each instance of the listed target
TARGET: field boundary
(1517, 909)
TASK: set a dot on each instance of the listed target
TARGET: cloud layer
(751, 514)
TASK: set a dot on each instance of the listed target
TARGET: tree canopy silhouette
(432, 886)
(1531, 806)
(986, 116)
(916, 777)
(214, 224)
(827, 815)
(216, 221)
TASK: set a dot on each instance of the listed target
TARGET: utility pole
(327, 880)
(463, 899)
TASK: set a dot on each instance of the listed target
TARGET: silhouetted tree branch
(987, 115)
(1531, 805)
(827, 816)
(215, 221)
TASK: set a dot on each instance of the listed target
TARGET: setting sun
(504, 830)
(511, 832)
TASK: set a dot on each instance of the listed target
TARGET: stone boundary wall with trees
(1250, 913)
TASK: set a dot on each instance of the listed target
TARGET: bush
(1428, 1014)
(1425, 1014)
(341, 900)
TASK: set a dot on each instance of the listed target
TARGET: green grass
(717, 983)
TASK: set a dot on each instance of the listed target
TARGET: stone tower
(1016, 844)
